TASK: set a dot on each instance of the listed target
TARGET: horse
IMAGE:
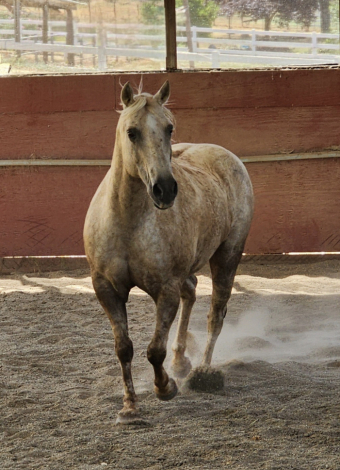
(160, 214)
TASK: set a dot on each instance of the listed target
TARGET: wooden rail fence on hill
(213, 46)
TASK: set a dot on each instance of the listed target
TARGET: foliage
(334, 13)
(202, 12)
(153, 12)
(325, 15)
(284, 11)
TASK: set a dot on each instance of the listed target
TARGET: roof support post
(170, 31)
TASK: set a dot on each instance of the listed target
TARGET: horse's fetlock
(178, 348)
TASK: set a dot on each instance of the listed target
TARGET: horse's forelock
(140, 101)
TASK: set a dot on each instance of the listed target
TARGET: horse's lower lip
(163, 208)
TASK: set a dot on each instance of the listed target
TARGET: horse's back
(211, 159)
(216, 165)
(223, 179)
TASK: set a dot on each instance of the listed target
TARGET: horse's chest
(161, 249)
(157, 247)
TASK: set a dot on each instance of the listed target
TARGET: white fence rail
(214, 47)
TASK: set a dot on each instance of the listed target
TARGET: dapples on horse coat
(155, 221)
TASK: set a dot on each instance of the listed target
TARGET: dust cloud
(293, 318)
(263, 335)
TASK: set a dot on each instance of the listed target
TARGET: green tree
(203, 13)
(284, 11)
(334, 13)
(153, 12)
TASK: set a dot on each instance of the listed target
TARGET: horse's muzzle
(164, 192)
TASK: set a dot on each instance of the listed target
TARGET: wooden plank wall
(253, 113)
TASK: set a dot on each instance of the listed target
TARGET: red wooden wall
(252, 113)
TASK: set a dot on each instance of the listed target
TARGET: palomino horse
(155, 221)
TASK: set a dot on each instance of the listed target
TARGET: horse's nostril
(157, 191)
(175, 188)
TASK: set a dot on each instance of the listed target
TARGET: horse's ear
(126, 95)
(163, 94)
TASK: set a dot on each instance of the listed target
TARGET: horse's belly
(204, 251)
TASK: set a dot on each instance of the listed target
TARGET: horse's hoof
(130, 417)
(169, 392)
(182, 367)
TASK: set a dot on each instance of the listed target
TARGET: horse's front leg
(115, 308)
(167, 306)
(181, 364)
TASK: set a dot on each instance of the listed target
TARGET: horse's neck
(128, 194)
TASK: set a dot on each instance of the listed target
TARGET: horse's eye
(170, 129)
(132, 134)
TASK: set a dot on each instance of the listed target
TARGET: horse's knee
(124, 350)
(156, 355)
(102, 286)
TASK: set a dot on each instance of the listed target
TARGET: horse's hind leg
(167, 306)
(115, 309)
(223, 265)
(181, 364)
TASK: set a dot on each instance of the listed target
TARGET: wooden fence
(57, 135)
(212, 47)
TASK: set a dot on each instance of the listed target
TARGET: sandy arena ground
(60, 388)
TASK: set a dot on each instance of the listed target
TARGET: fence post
(70, 35)
(215, 59)
(81, 42)
(45, 30)
(52, 42)
(36, 55)
(17, 23)
(189, 31)
(75, 32)
(194, 38)
(314, 43)
(101, 35)
(253, 40)
(94, 44)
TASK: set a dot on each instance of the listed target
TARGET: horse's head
(144, 133)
